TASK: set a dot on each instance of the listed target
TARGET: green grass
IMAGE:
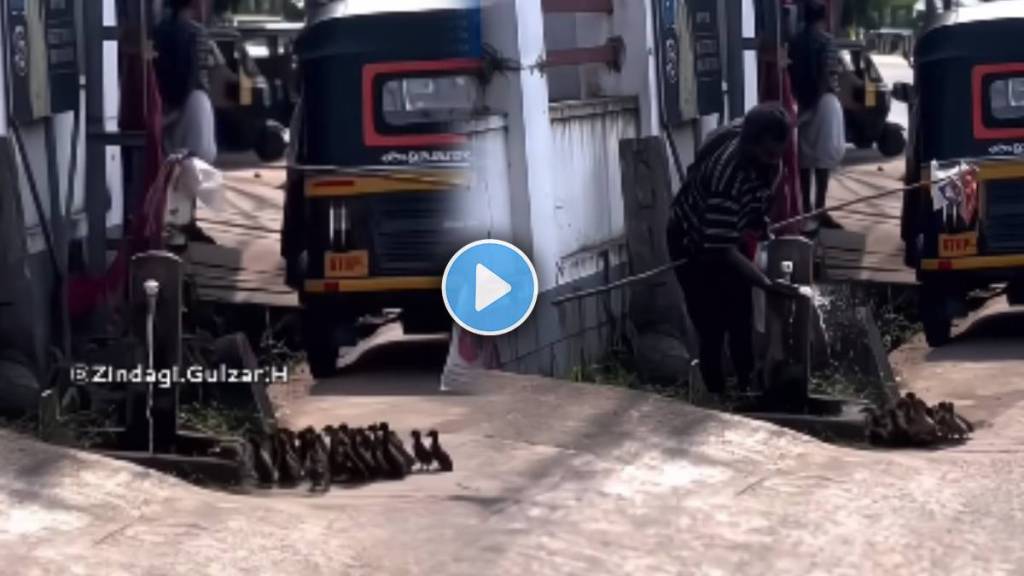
(217, 420)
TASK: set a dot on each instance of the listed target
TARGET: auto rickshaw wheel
(935, 314)
(426, 322)
(323, 332)
(892, 142)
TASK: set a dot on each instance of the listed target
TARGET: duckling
(318, 464)
(963, 421)
(376, 448)
(922, 428)
(444, 461)
(423, 455)
(393, 466)
(289, 465)
(362, 451)
(264, 461)
(396, 444)
(956, 427)
(875, 426)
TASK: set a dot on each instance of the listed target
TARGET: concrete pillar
(516, 29)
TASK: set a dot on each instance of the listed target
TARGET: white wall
(489, 204)
(588, 198)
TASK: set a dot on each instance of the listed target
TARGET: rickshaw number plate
(355, 264)
(957, 245)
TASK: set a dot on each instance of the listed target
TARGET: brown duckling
(422, 454)
(408, 460)
(444, 461)
(317, 463)
(263, 459)
(289, 465)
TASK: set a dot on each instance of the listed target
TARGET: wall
(588, 199)
(27, 325)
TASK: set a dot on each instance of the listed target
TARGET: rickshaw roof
(1000, 10)
(969, 33)
(352, 8)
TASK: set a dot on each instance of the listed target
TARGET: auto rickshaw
(967, 110)
(251, 80)
(378, 168)
(867, 101)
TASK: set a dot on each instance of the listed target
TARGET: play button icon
(489, 287)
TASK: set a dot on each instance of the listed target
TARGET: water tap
(152, 288)
(787, 271)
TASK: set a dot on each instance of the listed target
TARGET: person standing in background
(183, 62)
(814, 71)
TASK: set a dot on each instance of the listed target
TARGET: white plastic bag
(199, 180)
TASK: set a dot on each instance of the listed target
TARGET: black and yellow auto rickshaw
(867, 101)
(967, 109)
(378, 171)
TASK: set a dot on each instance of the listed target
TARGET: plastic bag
(199, 180)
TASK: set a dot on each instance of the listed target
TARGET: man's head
(815, 13)
(178, 6)
(765, 133)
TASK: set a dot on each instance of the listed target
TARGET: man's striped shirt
(723, 197)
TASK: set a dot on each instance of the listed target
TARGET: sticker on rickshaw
(958, 245)
(427, 157)
(1015, 149)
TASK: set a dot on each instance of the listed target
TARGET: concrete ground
(562, 478)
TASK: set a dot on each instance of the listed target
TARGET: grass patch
(217, 420)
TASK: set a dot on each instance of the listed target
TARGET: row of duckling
(342, 455)
(911, 422)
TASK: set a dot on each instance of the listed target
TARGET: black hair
(768, 122)
(815, 11)
(179, 5)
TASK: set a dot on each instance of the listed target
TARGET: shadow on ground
(992, 338)
(398, 368)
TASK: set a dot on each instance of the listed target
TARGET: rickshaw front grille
(408, 235)
(1004, 215)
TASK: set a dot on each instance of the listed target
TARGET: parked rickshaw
(967, 111)
(867, 101)
(252, 94)
(378, 169)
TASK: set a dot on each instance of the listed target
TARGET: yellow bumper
(383, 284)
(974, 263)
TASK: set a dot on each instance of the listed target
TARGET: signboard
(43, 58)
(669, 68)
(707, 51)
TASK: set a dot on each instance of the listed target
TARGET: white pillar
(516, 29)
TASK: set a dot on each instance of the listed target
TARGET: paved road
(562, 478)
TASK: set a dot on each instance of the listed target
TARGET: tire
(426, 322)
(891, 142)
(272, 143)
(319, 341)
(935, 316)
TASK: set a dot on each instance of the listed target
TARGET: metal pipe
(152, 288)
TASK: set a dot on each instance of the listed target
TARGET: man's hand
(784, 288)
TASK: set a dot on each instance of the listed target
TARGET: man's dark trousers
(719, 303)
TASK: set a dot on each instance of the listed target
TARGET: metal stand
(156, 302)
(787, 361)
